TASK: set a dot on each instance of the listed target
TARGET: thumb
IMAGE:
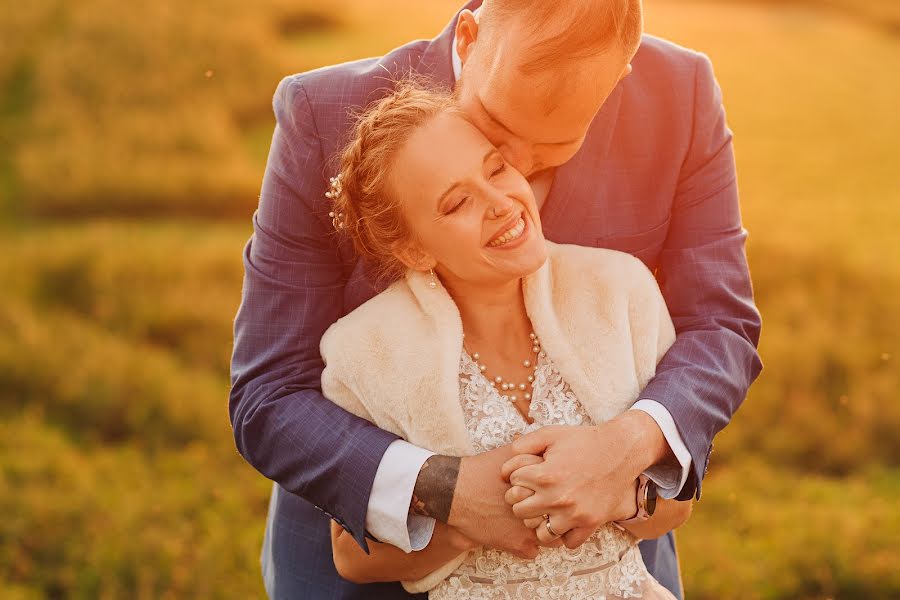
(535, 442)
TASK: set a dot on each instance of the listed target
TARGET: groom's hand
(586, 472)
(478, 509)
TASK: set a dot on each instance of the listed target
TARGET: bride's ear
(411, 255)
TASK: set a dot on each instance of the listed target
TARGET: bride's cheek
(467, 236)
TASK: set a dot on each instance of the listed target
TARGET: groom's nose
(518, 154)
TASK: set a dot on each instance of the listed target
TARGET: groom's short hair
(568, 29)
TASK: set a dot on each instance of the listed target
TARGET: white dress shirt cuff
(388, 517)
(668, 478)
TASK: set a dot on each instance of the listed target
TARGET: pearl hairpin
(336, 189)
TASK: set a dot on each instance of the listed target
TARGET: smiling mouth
(509, 235)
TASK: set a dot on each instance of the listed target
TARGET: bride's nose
(500, 207)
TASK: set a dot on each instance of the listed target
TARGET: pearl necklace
(509, 386)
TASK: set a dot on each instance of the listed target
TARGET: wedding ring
(549, 529)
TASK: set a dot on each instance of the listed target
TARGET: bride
(488, 332)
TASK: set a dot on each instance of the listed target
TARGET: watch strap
(643, 494)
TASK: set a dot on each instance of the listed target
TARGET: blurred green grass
(168, 103)
(127, 134)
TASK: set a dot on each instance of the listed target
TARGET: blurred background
(133, 139)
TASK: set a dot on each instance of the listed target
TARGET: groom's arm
(384, 562)
(705, 280)
(294, 282)
(293, 291)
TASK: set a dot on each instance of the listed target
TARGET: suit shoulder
(351, 83)
(660, 95)
(662, 53)
(329, 98)
(665, 70)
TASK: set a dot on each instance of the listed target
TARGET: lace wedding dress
(606, 567)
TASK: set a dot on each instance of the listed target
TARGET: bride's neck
(493, 314)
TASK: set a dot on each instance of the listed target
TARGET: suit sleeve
(705, 280)
(293, 291)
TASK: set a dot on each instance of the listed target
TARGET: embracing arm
(705, 280)
(294, 283)
(388, 563)
(293, 291)
(669, 515)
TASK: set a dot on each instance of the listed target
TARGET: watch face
(651, 498)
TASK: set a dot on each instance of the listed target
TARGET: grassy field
(132, 142)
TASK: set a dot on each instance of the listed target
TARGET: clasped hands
(571, 479)
(582, 477)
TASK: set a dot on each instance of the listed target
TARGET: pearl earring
(433, 283)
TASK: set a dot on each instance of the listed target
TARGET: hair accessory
(433, 283)
(335, 190)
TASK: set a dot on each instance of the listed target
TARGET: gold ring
(549, 529)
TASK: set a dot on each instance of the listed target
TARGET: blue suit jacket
(655, 177)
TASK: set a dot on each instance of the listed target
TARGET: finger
(516, 494)
(544, 537)
(543, 533)
(535, 442)
(574, 538)
(517, 462)
(531, 507)
(533, 477)
(533, 523)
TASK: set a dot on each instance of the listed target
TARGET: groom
(624, 140)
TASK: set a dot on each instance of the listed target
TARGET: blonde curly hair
(365, 208)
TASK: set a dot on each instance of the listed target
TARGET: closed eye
(499, 169)
(457, 206)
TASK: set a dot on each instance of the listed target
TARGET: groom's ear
(413, 257)
(466, 34)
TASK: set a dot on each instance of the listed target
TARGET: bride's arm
(669, 515)
(388, 563)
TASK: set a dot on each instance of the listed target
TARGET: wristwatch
(646, 501)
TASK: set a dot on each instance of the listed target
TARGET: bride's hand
(586, 474)
(517, 493)
(627, 506)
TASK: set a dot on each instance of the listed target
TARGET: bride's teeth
(510, 235)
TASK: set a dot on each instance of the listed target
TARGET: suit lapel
(578, 183)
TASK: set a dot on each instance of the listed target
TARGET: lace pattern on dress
(607, 566)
